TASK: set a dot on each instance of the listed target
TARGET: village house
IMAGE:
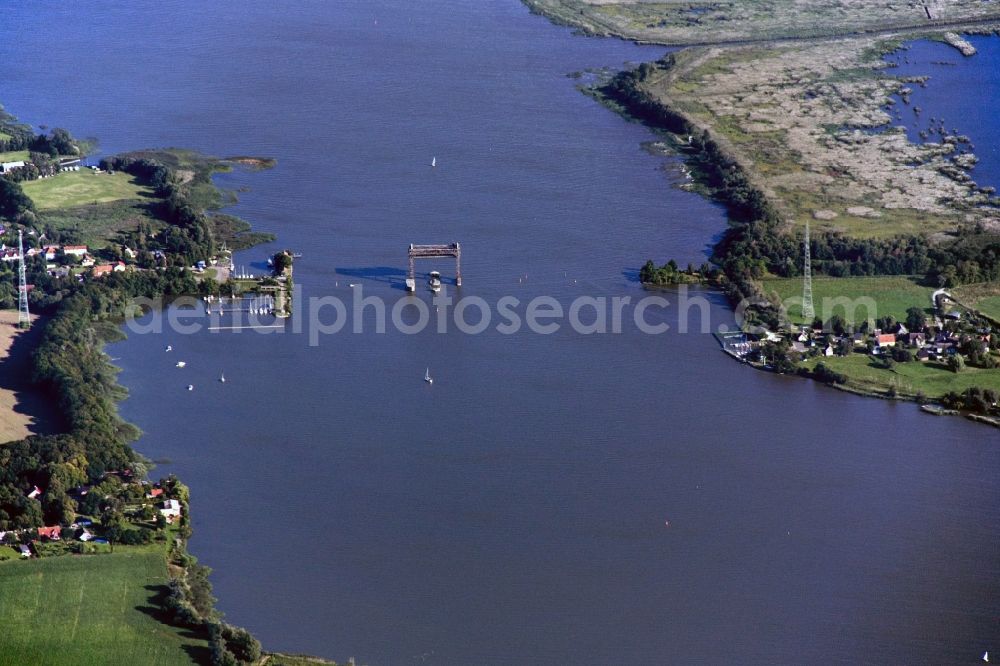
(51, 533)
(101, 271)
(917, 339)
(884, 340)
(8, 255)
(171, 510)
(7, 167)
(828, 351)
(50, 252)
(87, 261)
(75, 250)
(154, 492)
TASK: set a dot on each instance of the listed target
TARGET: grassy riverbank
(907, 380)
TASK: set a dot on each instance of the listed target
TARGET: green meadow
(870, 297)
(90, 610)
(70, 189)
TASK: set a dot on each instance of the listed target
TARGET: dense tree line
(13, 201)
(14, 135)
(57, 143)
(977, 400)
(190, 236)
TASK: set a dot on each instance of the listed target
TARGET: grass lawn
(14, 155)
(932, 379)
(870, 297)
(96, 610)
(70, 189)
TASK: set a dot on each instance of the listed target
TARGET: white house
(75, 250)
(7, 167)
(171, 510)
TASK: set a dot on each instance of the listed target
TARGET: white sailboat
(434, 161)
(427, 376)
(222, 378)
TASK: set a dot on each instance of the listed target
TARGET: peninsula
(789, 114)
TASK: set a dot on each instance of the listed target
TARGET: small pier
(430, 251)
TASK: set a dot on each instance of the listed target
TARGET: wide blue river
(615, 498)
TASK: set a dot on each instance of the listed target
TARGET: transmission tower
(23, 318)
(808, 312)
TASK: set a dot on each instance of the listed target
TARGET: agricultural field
(888, 296)
(71, 189)
(91, 610)
(931, 379)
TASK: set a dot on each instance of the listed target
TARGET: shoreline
(65, 354)
(628, 94)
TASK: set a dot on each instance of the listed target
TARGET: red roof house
(50, 533)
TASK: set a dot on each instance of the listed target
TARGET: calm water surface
(963, 92)
(516, 510)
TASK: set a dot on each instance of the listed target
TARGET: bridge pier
(430, 251)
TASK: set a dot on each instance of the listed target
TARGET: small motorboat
(222, 378)
(427, 376)
(168, 348)
(190, 387)
(180, 364)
